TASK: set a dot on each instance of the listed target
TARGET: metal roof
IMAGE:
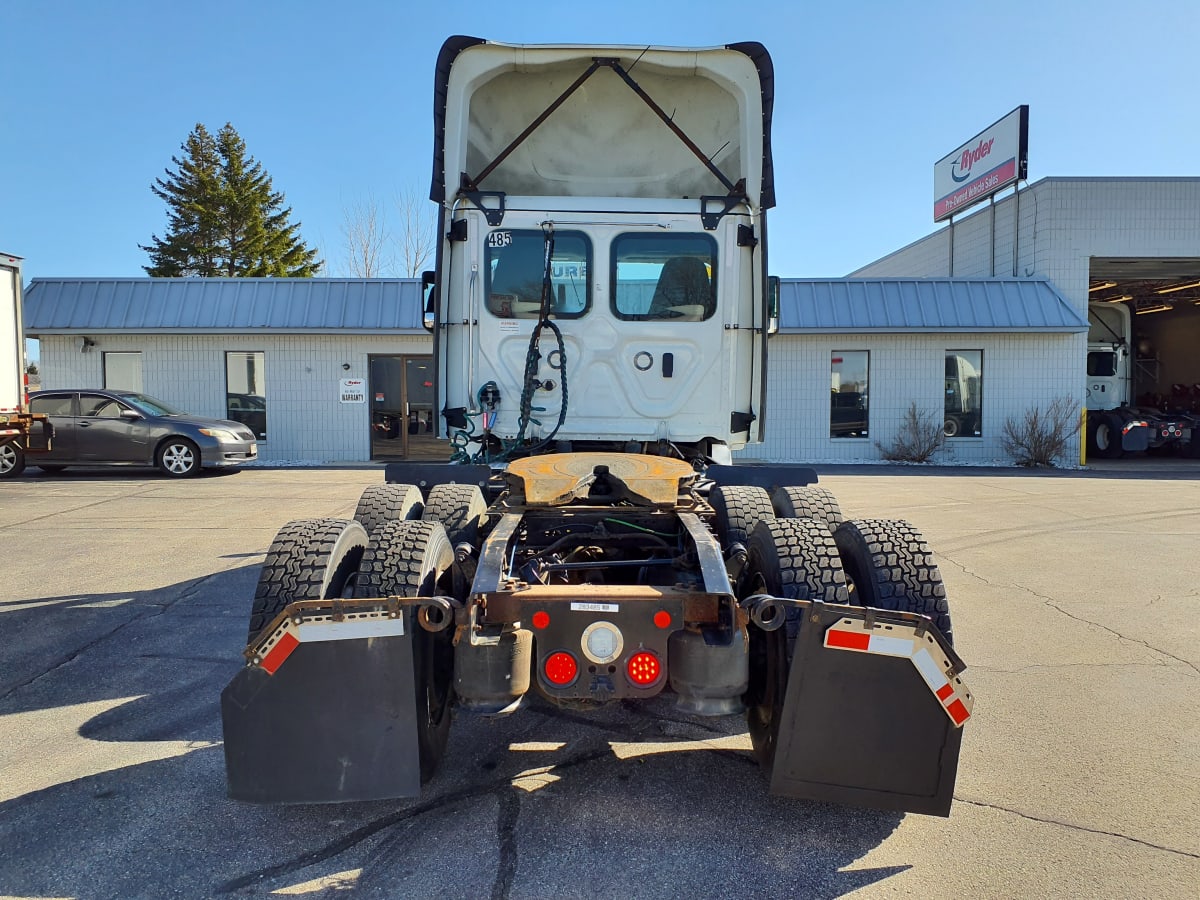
(223, 305)
(393, 305)
(889, 305)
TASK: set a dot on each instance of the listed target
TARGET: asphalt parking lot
(124, 604)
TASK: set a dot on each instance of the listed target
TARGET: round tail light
(560, 668)
(643, 668)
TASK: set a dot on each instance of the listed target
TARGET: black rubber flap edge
(335, 723)
(427, 475)
(769, 476)
(862, 729)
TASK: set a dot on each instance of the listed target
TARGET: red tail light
(643, 668)
(541, 619)
(560, 668)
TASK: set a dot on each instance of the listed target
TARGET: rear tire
(383, 503)
(461, 510)
(409, 559)
(793, 559)
(807, 503)
(739, 508)
(1107, 438)
(889, 566)
(12, 460)
(310, 559)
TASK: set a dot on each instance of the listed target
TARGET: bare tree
(416, 239)
(366, 240)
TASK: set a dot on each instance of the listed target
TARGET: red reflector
(643, 668)
(958, 712)
(847, 640)
(541, 619)
(945, 691)
(281, 651)
(662, 619)
(561, 668)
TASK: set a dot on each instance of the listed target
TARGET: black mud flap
(872, 715)
(334, 722)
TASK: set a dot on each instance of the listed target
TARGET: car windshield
(150, 406)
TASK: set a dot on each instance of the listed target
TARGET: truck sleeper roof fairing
(604, 139)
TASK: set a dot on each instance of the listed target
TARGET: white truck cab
(602, 278)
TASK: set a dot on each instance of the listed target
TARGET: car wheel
(12, 460)
(179, 458)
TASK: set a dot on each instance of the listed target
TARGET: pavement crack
(1050, 602)
(962, 568)
(1083, 828)
(498, 786)
(509, 803)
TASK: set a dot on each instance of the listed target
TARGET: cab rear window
(515, 266)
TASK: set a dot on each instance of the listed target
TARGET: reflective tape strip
(853, 634)
(349, 629)
(865, 642)
(281, 651)
(290, 635)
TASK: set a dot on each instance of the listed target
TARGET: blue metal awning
(892, 305)
(223, 305)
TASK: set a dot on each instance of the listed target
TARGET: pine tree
(224, 218)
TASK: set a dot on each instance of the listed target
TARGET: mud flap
(334, 721)
(872, 713)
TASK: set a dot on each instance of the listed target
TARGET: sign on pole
(989, 162)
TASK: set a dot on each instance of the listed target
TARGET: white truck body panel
(604, 141)
(12, 336)
(1109, 373)
(603, 167)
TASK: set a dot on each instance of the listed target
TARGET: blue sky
(335, 100)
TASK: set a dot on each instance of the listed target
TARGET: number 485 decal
(499, 239)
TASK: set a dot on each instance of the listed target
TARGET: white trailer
(20, 432)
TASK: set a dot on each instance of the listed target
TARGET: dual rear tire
(315, 559)
(880, 563)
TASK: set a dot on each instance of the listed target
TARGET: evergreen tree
(224, 219)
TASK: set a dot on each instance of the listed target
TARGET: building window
(515, 263)
(848, 398)
(246, 391)
(668, 277)
(964, 393)
(123, 371)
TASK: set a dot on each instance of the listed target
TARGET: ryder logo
(961, 170)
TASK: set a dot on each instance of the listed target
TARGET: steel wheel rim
(8, 458)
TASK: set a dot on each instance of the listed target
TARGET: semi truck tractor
(21, 432)
(1115, 425)
(601, 314)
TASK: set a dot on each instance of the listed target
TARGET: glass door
(400, 395)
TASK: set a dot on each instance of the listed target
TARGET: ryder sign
(988, 162)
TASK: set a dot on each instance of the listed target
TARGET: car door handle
(85, 424)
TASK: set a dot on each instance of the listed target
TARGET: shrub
(1041, 436)
(921, 435)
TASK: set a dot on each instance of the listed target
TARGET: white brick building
(1127, 240)
(850, 358)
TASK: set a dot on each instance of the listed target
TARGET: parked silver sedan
(123, 428)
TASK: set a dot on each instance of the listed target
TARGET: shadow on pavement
(118, 715)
